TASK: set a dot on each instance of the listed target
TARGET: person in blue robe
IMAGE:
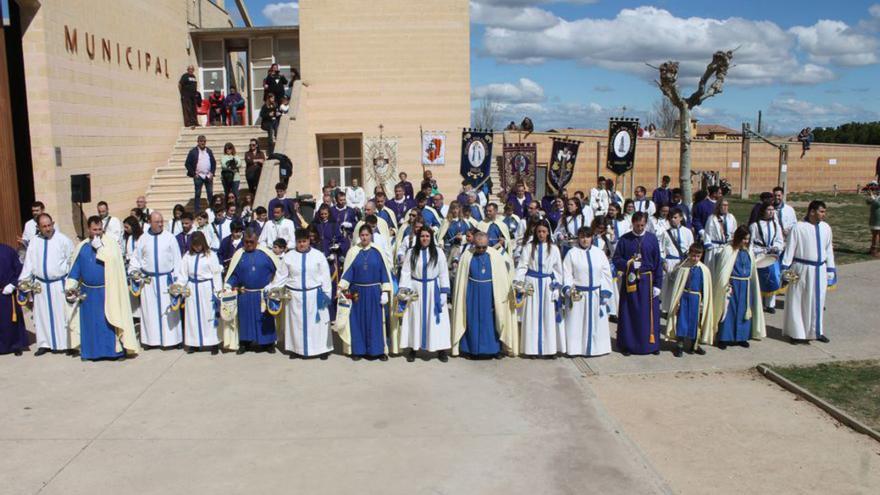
(637, 256)
(254, 271)
(365, 276)
(480, 339)
(476, 212)
(705, 208)
(13, 335)
(97, 337)
(736, 327)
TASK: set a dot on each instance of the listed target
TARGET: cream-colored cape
(381, 224)
(117, 303)
(705, 334)
(502, 295)
(724, 262)
(230, 328)
(505, 232)
(342, 327)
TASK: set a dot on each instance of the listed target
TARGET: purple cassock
(330, 236)
(13, 336)
(638, 313)
(400, 207)
(347, 215)
(520, 206)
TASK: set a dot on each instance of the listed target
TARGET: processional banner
(476, 155)
(562, 160)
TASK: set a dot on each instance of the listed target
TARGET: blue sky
(574, 63)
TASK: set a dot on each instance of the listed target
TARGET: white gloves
(384, 299)
(8, 289)
(346, 225)
(656, 292)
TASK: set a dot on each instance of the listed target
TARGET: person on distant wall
(201, 165)
(254, 159)
(407, 186)
(189, 97)
(216, 108)
(274, 84)
(233, 103)
(269, 114)
(229, 170)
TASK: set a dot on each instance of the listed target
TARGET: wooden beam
(10, 219)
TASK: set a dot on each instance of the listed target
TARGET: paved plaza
(167, 422)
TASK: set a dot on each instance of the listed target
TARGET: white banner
(433, 148)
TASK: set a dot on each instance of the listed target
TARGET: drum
(766, 260)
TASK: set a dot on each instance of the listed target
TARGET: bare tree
(668, 84)
(486, 115)
(665, 117)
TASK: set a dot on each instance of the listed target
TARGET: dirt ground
(737, 433)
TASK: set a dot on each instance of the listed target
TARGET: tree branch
(717, 68)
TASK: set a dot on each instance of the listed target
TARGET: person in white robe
(156, 257)
(572, 221)
(768, 238)
(600, 198)
(30, 229)
(641, 202)
(46, 264)
(674, 245)
(306, 276)
(659, 221)
(809, 258)
(279, 227)
(200, 272)
(204, 225)
(718, 233)
(425, 325)
(784, 213)
(112, 225)
(540, 266)
(587, 272)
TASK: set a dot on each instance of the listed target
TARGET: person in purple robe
(186, 232)
(334, 245)
(705, 208)
(520, 199)
(678, 202)
(230, 244)
(345, 217)
(13, 335)
(400, 204)
(406, 185)
(637, 257)
(662, 195)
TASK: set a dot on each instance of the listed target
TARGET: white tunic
(175, 226)
(541, 267)
(569, 225)
(425, 323)
(284, 229)
(645, 205)
(113, 226)
(787, 218)
(599, 201)
(586, 321)
(157, 256)
(675, 236)
(128, 248)
(48, 261)
(355, 197)
(306, 328)
(201, 273)
(221, 230)
(657, 226)
(715, 238)
(810, 255)
(210, 236)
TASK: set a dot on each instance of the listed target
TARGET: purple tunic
(638, 325)
(13, 336)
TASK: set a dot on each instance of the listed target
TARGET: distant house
(713, 132)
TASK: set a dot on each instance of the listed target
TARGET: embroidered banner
(561, 168)
(380, 160)
(433, 148)
(622, 135)
(476, 155)
(519, 165)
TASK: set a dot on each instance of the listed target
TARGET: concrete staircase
(170, 185)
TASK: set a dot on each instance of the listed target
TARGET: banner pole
(421, 145)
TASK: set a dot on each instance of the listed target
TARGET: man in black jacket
(189, 97)
(200, 165)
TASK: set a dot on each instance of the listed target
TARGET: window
(212, 67)
(340, 158)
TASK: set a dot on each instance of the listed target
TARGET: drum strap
(675, 243)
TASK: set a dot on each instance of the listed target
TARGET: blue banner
(476, 155)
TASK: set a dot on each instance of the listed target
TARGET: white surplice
(48, 262)
(202, 275)
(681, 237)
(306, 328)
(586, 321)
(425, 323)
(157, 256)
(541, 266)
(275, 229)
(810, 254)
(715, 237)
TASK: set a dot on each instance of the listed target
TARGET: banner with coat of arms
(561, 168)
(433, 148)
(519, 165)
(476, 155)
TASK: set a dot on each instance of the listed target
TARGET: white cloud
(517, 17)
(765, 52)
(282, 14)
(835, 42)
(524, 91)
(792, 114)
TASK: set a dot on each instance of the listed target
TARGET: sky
(575, 63)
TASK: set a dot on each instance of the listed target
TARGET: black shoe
(442, 356)
(411, 356)
(292, 356)
(771, 311)
(179, 346)
(122, 357)
(500, 355)
(356, 358)
(794, 341)
(215, 350)
(190, 350)
(18, 352)
(722, 345)
(678, 352)
(823, 339)
(71, 352)
(625, 353)
(325, 356)
(240, 351)
(384, 357)
(656, 353)
(745, 344)
(271, 349)
(700, 351)
(41, 351)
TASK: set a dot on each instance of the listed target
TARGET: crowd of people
(406, 273)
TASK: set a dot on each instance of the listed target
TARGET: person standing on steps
(201, 166)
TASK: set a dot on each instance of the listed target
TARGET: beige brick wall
(401, 63)
(115, 123)
(855, 163)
